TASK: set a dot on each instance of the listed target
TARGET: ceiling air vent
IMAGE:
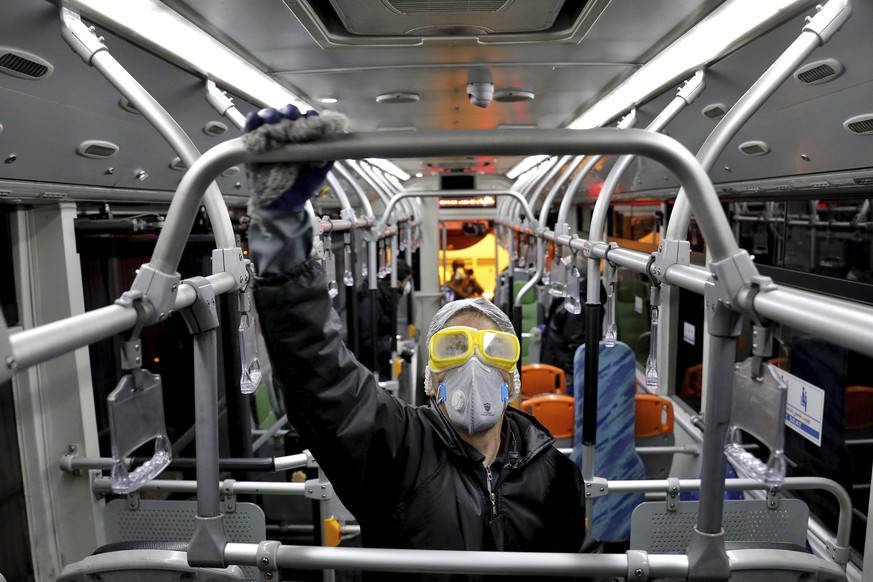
(863, 181)
(819, 72)
(232, 171)
(714, 111)
(860, 124)
(754, 148)
(178, 165)
(417, 6)
(97, 149)
(398, 97)
(23, 64)
(513, 95)
(214, 128)
(375, 18)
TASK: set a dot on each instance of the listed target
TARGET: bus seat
(746, 523)
(859, 407)
(653, 427)
(169, 521)
(781, 362)
(542, 379)
(145, 562)
(556, 412)
(615, 456)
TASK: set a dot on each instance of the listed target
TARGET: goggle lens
(499, 346)
(453, 347)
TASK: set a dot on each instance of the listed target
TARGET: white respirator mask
(475, 395)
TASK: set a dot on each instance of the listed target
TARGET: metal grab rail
(660, 148)
(633, 565)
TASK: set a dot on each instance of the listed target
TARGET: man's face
(475, 321)
(401, 285)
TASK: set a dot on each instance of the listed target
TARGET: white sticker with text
(688, 332)
(804, 410)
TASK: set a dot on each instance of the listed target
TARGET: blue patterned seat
(615, 456)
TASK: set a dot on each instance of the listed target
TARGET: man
(385, 320)
(465, 472)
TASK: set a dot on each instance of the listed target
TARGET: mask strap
(504, 392)
(442, 395)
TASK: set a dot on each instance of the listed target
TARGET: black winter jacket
(402, 470)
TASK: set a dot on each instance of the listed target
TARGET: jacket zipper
(491, 492)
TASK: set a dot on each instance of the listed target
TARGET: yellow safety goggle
(452, 346)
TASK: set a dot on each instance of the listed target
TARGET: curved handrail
(816, 32)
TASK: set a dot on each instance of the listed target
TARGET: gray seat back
(747, 521)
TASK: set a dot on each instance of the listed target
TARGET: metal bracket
(596, 487)
(672, 494)
(839, 554)
(6, 357)
(610, 265)
(318, 490)
(773, 498)
(729, 276)
(158, 291)
(637, 565)
(66, 463)
(81, 38)
(757, 284)
(732, 274)
(201, 316)
(133, 501)
(692, 88)
(267, 558)
(131, 348)
(229, 496)
(669, 253)
(311, 463)
(234, 262)
(369, 234)
(244, 301)
(348, 214)
(829, 20)
(208, 541)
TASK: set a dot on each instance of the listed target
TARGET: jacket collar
(523, 437)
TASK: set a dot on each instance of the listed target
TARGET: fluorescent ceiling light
(153, 25)
(419, 175)
(389, 167)
(728, 26)
(526, 164)
(328, 100)
(723, 30)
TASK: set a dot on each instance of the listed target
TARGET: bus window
(829, 419)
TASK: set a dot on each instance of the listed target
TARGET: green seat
(528, 316)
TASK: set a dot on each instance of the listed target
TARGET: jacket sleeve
(354, 428)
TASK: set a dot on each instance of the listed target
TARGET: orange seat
(654, 416)
(542, 379)
(692, 382)
(781, 362)
(555, 411)
(859, 407)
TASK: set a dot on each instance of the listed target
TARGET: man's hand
(287, 186)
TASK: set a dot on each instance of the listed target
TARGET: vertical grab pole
(208, 540)
(392, 296)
